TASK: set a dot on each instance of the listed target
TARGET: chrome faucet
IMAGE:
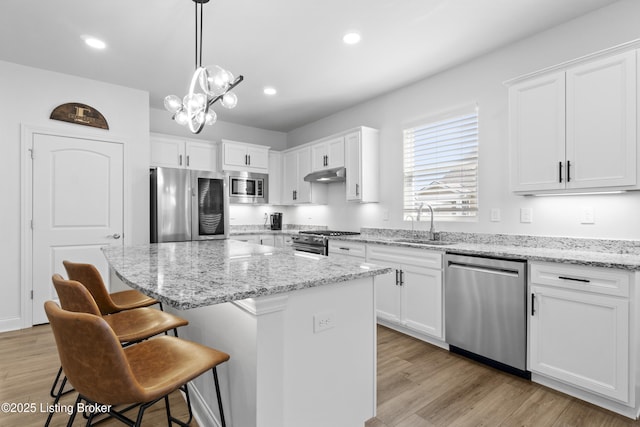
(420, 211)
(432, 231)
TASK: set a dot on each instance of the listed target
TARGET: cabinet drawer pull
(187, 160)
(574, 279)
(344, 249)
(397, 277)
(180, 160)
(401, 278)
(568, 171)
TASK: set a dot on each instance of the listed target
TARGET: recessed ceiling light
(352, 38)
(94, 42)
(270, 91)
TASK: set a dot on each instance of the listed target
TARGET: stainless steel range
(316, 241)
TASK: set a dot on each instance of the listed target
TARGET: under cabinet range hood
(327, 175)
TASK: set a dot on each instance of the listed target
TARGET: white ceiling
(293, 45)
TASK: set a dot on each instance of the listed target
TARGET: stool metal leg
(215, 380)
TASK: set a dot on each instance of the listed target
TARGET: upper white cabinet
(575, 129)
(537, 133)
(239, 156)
(362, 163)
(327, 154)
(296, 164)
(176, 152)
(275, 178)
(601, 123)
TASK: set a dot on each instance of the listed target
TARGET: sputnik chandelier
(194, 110)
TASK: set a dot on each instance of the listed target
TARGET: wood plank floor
(422, 385)
(28, 364)
(418, 385)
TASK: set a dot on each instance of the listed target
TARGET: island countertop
(196, 274)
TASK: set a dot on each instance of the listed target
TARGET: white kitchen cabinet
(362, 164)
(347, 249)
(537, 133)
(278, 241)
(240, 156)
(410, 298)
(248, 238)
(275, 178)
(579, 327)
(575, 129)
(296, 165)
(174, 152)
(601, 123)
(267, 239)
(327, 154)
(258, 239)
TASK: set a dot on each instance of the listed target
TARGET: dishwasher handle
(484, 269)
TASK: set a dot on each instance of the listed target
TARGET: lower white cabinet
(411, 296)
(342, 248)
(579, 327)
(249, 238)
(259, 239)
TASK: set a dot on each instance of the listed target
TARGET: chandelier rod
(201, 24)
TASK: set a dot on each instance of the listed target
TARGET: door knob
(116, 236)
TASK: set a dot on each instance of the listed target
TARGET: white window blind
(441, 167)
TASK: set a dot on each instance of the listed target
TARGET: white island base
(301, 358)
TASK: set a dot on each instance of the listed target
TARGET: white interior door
(77, 208)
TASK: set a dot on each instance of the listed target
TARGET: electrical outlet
(588, 216)
(385, 215)
(324, 320)
(526, 215)
(495, 215)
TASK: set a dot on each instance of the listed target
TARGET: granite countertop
(621, 254)
(201, 273)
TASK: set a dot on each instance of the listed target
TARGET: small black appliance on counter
(276, 221)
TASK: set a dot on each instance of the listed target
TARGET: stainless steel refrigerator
(188, 205)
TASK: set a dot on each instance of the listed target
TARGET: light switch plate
(495, 215)
(526, 215)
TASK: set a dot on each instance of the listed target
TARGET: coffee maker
(276, 221)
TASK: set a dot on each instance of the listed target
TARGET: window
(441, 167)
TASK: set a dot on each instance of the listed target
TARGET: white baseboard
(12, 324)
(414, 334)
(605, 403)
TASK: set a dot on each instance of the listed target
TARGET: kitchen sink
(424, 242)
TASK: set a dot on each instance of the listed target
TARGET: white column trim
(263, 305)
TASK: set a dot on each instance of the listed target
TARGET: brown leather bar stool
(139, 374)
(130, 326)
(108, 303)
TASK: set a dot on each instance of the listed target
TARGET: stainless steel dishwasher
(485, 310)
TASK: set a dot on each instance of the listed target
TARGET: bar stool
(108, 303)
(140, 374)
(129, 326)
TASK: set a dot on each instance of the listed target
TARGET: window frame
(433, 121)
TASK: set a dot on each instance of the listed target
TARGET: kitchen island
(300, 328)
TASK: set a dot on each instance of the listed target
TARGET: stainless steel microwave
(248, 187)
